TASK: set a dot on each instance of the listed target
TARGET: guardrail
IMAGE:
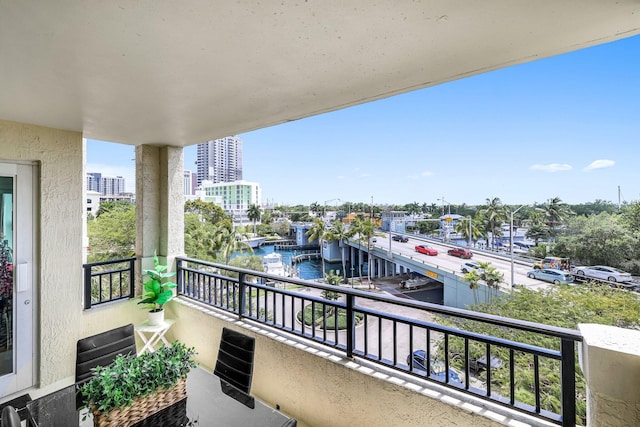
(108, 281)
(388, 331)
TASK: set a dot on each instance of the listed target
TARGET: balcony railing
(108, 281)
(387, 331)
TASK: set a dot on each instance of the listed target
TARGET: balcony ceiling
(183, 72)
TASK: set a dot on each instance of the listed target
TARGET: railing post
(568, 385)
(132, 278)
(87, 286)
(351, 325)
(241, 295)
(179, 278)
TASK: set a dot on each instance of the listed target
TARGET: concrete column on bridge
(610, 360)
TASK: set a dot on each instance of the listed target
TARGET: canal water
(307, 270)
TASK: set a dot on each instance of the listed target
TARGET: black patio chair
(101, 350)
(10, 417)
(234, 365)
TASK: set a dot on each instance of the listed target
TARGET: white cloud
(426, 173)
(551, 167)
(599, 164)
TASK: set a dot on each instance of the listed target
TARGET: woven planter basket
(142, 407)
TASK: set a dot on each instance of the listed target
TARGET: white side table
(152, 335)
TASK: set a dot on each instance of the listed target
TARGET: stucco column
(159, 203)
(610, 361)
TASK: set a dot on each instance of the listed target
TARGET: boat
(273, 265)
(254, 242)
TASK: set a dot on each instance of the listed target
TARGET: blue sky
(567, 126)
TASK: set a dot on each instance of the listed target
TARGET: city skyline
(564, 126)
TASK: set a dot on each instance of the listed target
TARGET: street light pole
(511, 239)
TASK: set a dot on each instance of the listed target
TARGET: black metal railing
(108, 281)
(491, 357)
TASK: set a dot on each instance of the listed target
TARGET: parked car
(419, 364)
(603, 272)
(551, 275)
(428, 250)
(479, 365)
(460, 252)
(468, 266)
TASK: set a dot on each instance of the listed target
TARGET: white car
(603, 272)
(468, 266)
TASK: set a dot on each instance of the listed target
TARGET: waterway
(307, 270)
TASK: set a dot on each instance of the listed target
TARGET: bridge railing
(483, 358)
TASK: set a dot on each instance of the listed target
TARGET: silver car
(551, 275)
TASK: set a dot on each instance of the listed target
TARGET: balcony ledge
(402, 387)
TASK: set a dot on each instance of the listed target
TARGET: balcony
(321, 375)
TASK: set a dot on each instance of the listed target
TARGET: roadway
(452, 264)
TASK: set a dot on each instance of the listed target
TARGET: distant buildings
(104, 184)
(102, 188)
(220, 160)
(233, 197)
(190, 182)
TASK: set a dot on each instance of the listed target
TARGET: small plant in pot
(158, 290)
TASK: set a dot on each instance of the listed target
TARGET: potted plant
(133, 388)
(158, 290)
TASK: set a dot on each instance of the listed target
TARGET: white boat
(273, 265)
(254, 242)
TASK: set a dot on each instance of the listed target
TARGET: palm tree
(229, 241)
(491, 276)
(340, 232)
(254, 213)
(494, 213)
(473, 278)
(555, 214)
(471, 233)
(317, 232)
(365, 229)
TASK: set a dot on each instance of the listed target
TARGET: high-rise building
(105, 185)
(220, 160)
(188, 183)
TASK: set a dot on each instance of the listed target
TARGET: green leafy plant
(128, 377)
(158, 290)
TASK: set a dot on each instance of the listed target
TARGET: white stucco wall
(59, 238)
(610, 361)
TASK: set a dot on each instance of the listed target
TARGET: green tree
(597, 239)
(473, 278)
(208, 211)
(254, 213)
(112, 233)
(631, 217)
(197, 234)
(561, 306)
(227, 241)
(340, 233)
(555, 213)
(365, 230)
(537, 230)
(332, 279)
(317, 232)
(494, 214)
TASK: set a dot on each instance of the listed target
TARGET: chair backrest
(10, 417)
(235, 359)
(101, 350)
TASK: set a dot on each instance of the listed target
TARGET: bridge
(390, 258)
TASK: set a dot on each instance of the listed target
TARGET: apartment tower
(220, 160)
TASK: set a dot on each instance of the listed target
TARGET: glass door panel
(6, 275)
